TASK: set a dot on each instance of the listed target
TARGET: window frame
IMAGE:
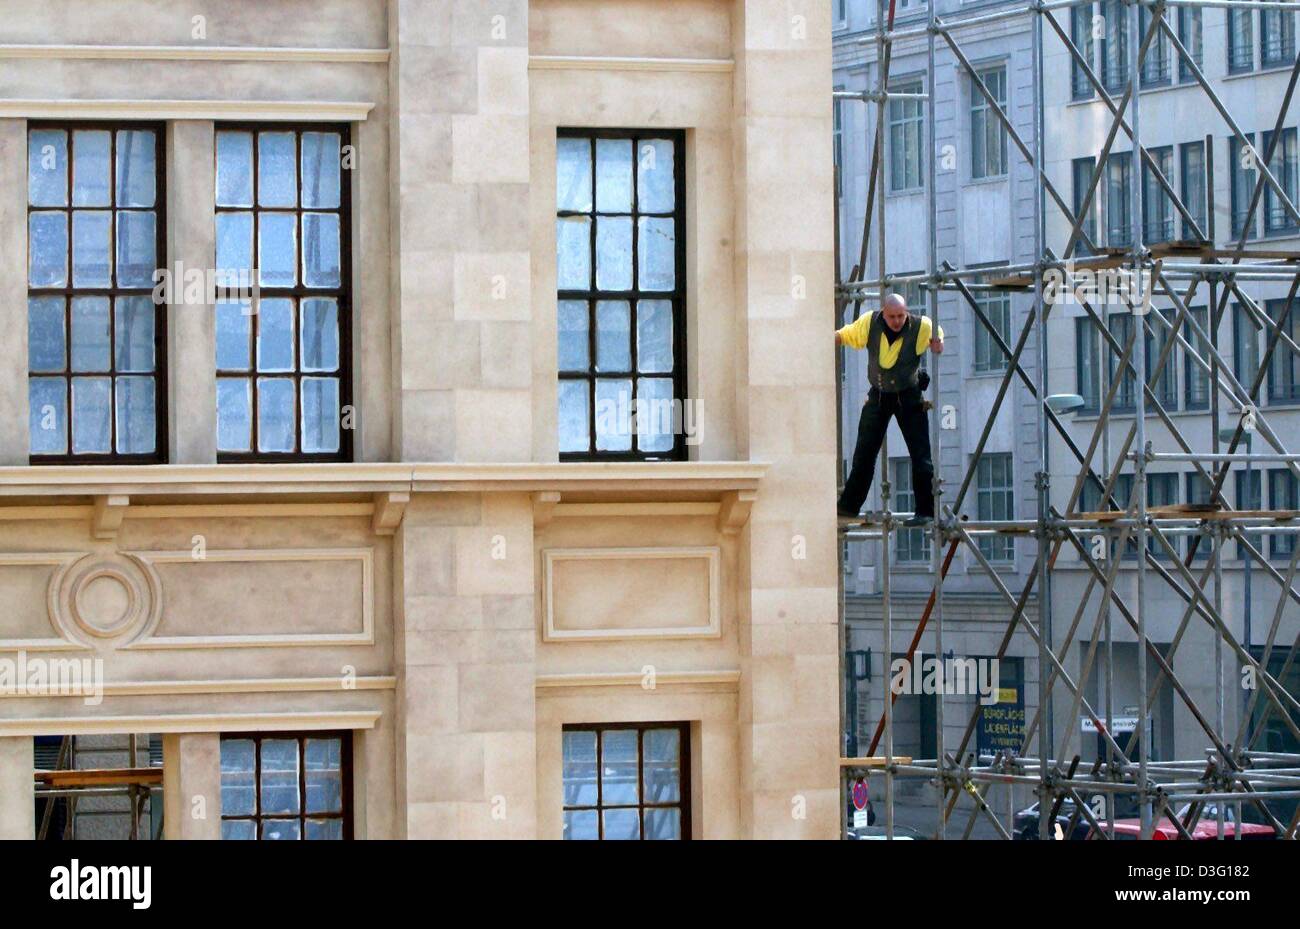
(1087, 370)
(112, 292)
(1196, 206)
(1081, 19)
(996, 549)
(1284, 365)
(988, 357)
(683, 728)
(1282, 545)
(1081, 171)
(1159, 217)
(1285, 166)
(1283, 21)
(911, 546)
(1119, 187)
(300, 736)
(1236, 65)
(1194, 42)
(901, 122)
(981, 107)
(1193, 376)
(677, 296)
(1239, 179)
(297, 293)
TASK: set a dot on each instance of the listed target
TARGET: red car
(1206, 828)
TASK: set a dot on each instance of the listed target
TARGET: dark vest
(904, 372)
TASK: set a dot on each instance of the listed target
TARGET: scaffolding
(1233, 770)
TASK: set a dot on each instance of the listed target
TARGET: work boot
(918, 522)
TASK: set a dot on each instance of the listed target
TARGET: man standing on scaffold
(895, 341)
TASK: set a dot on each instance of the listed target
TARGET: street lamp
(1064, 403)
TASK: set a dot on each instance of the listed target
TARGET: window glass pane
(136, 416)
(662, 766)
(622, 825)
(320, 414)
(573, 334)
(580, 787)
(613, 336)
(324, 830)
(237, 771)
(234, 414)
(663, 824)
(320, 334)
(90, 334)
(323, 759)
(655, 422)
(613, 253)
(234, 331)
(133, 341)
(90, 159)
(613, 409)
(276, 414)
(322, 161)
(573, 174)
(320, 249)
(279, 776)
(657, 254)
(91, 419)
(47, 167)
(46, 341)
(618, 769)
(573, 245)
(614, 175)
(234, 245)
(277, 169)
(275, 335)
(137, 249)
(47, 401)
(47, 247)
(581, 825)
(656, 176)
(654, 336)
(281, 830)
(277, 249)
(239, 830)
(90, 248)
(137, 170)
(574, 406)
(234, 169)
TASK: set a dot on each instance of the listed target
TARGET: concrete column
(17, 790)
(466, 663)
(786, 410)
(191, 327)
(460, 149)
(13, 290)
(192, 786)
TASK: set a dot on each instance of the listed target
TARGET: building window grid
(1190, 34)
(45, 396)
(1114, 45)
(1284, 364)
(1249, 498)
(1285, 166)
(1198, 494)
(1081, 17)
(1165, 386)
(646, 372)
(1157, 205)
(1156, 69)
(1245, 345)
(1196, 381)
(1121, 327)
(258, 819)
(1243, 185)
(1162, 490)
(906, 137)
(912, 546)
(1081, 177)
(681, 805)
(1276, 37)
(995, 500)
(988, 133)
(1284, 492)
(1087, 380)
(1193, 190)
(989, 358)
(1119, 179)
(330, 429)
(1241, 46)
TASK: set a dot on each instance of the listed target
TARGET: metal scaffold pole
(1134, 348)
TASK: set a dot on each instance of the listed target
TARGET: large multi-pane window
(906, 136)
(1081, 37)
(1121, 329)
(995, 499)
(1250, 490)
(1193, 187)
(286, 786)
(1164, 385)
(95, 224)
(1285, 166)
(1190, 35)
(1243, 185)
(1241, 45)
(1156, 68)
(1196, 380)
(1276, 37)
(912, 545)
(1198, 494)
(1284, 492)
(997, 307)
(1087, 371)
(1081, 170)
(283, 308)
(1284, 365)
(1245, 345)
(627, 781)
(1114, 45)
(622, 286)
(988, 135)
(1162, 490)
(1119, 207)
(1157, 205)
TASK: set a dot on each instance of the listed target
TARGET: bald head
(894, 311)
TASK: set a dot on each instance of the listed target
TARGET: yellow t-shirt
(854, 335)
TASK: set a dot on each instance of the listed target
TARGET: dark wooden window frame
(684, 764)
(297, 293)
(345, 771)
(69, 291)
(677, 296)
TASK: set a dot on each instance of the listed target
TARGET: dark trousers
(909, 407)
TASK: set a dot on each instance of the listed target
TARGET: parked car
(1025, 823)
(1206, 828)
(877, 833)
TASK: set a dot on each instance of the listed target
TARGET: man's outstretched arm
(854, 335)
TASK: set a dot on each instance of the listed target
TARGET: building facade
(472, 477)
